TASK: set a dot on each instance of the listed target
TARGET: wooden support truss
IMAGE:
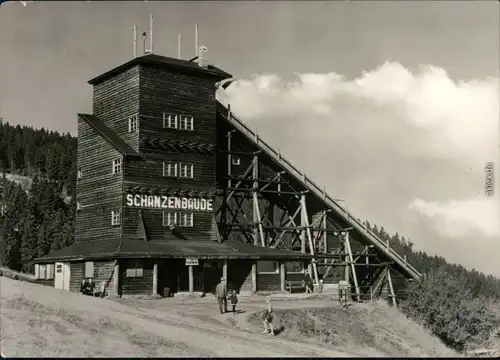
(248, 213)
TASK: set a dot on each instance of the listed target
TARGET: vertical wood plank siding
(99, 191)
(201, 230)
(239, 275)
(176, 93)
(117, 99)
(137, 285)
(102, 272)
(268, 282)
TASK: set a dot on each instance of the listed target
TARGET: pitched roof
(108, 134)
(167, 249)
(166, 63)
(81, 250)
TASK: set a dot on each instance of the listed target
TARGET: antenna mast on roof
(144, 37)
(178, 45)
(196, 40)
(151, 33)
(135, 41)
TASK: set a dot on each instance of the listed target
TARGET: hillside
(37, 197)
(42, 321)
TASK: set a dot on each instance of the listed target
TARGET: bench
(294, 284)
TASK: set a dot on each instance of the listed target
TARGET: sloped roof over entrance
(168, 249)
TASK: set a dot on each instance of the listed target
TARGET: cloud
(459, 218)
(402, 146)
(461, 118)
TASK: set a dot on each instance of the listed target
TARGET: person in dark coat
(234, 300)
(83, 287)
(91, 286)
(221, 295)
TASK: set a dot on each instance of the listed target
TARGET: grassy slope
(374, 330)
(42, 321)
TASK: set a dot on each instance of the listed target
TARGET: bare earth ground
(41, 321)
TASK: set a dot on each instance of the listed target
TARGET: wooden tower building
(174, 192)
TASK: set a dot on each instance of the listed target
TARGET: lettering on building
(169, 202)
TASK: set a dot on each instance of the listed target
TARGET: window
(135, 268)
(45, 272)
(187, 123)
(294, 267)
(115, 217)
(79, 174)
(117, 166)
(89, 269)
(169, 218)
(50, 271)
(170, 121)
(236, 160)
(133, 123)
(42, 272)
(268, 267)
(59, 268)
(186, 219)
(187, 171)
(169, 168)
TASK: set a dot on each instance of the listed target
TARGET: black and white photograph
(249, 179)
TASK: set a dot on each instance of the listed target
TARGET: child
(234, 300)
(267, 317)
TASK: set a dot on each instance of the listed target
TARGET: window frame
(115, 214)
(42, 269)
(117, 166)
(87, 270)
(169, 223)
(186, 224)
(134, 268)
(175, 166)
(48, 271)
(133, 124)
(188, 166)
(296, 272)
(276, 266)
(184, 121)
(170, 119)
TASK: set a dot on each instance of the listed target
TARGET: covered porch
(166, 268)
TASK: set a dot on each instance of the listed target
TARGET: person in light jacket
(221, 295)
(267, 317)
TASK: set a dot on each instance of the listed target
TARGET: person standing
(234, 300)
(267, 317)
(221, 294)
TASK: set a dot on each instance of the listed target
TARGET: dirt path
(201, 315)
(62, 321)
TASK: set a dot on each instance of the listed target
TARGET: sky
(394, 106)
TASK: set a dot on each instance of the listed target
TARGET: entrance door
(62, 276)
(212, 273)
(66, 276)
(59, 276)
(198, 279)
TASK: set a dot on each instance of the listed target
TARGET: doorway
(167, 278)
(212, 273)
(62, 275)
(183, 277)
